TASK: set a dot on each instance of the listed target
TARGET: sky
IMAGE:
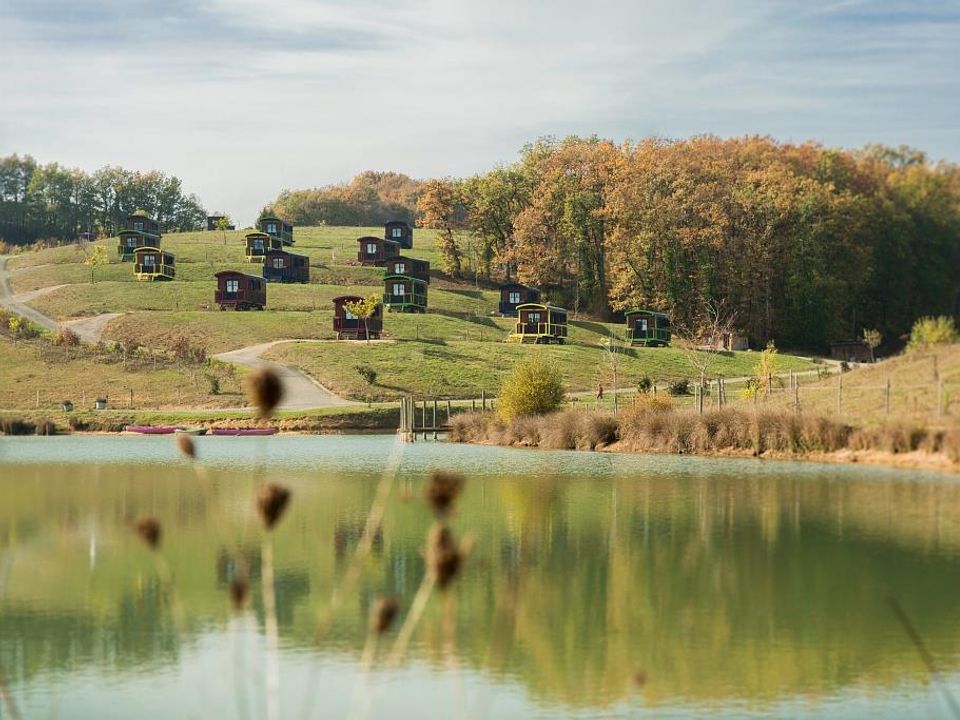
(244, 98)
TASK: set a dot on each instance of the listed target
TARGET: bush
(929, 332)
(645, 385)
(368, 374)
(214, 381)
(66, 337)
(533, 387)
(679, 387)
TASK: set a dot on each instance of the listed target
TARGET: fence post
(796, 397)
(839, 392)
(131, 398)
(448, 411)
(434, 418)
(483, 400)
(473, 404)
(886, 399)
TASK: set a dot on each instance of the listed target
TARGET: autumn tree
(440, 208)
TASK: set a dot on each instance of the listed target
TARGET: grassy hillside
(913, 381)
(454, 350)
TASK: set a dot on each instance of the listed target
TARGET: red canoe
(151, 429)
(243, 431)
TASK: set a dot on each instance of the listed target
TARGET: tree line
(52, 202)
(801, 244)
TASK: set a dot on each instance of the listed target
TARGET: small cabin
(403, 293)
(512, 295)
(854, 350)
(376, 251)
(239, 291)
(400, 232)
(647, 328)
(540, 324)
(403, 265)
(282, 266)
(275, 227)
(258, 244)
(152, 263)
(139, 231)
(348, 326)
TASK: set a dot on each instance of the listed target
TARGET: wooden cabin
(414, 267)
(512, 295)
(540, 324)
(400, 232)
(647, 328)
(258, 244)
(404, 293)
(376, 251)
(140, 231)
(283, 266)
(348, 326)
(152, 263)
(275, 227)
(854, 350)
(239, 291)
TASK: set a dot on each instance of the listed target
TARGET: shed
(376, 251)
(258, 244)
(404, 293)
(403, 265)
(400, 232)
(283, 266)
(349, 327)
(239, 291)
(152, 263)
(512, 295)
(277, 228)
(540, 324)
(648, 328)
(854, 350)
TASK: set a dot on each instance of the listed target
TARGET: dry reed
(264, 391)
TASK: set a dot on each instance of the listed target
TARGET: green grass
(459, 369)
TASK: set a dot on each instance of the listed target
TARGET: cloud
(241, 98)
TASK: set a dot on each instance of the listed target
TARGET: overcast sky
(242, 98)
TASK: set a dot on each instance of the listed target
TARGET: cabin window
(371, 248)
(138, 225)
(399, 289)
(396, 232)
(534, 317)
(149, 260)
(272, 228)
(348, 315)
(401, 268)
(258, 244)
(131, 242)
(278, 263)
(514, 297)
(642, 324)
(233, 286)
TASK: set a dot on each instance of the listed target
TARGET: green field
(455, 350)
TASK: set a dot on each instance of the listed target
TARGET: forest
(51, 202)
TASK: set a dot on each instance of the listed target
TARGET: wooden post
(434, 418)
(839, 392)
(796, 397)
(886, 399)
(769, 383)
(473, 404)
(131, 398)
(483, 400)
(423, 419)
(448, 411)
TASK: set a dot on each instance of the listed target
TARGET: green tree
(94, 257)
(533, 386)
(363, 310)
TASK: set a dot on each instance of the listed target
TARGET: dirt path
(301, 392)
(10, 301)
(91, 329)
(29, 295)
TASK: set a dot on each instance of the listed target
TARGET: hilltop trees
(50, 201)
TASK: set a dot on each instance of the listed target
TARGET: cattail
(149, 530)
(271, 502)
(264, 390)
(186, 446)
(239, 588)
(442, 490)
(384, 613)
(443, 556)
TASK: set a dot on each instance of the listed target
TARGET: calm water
(734, 588)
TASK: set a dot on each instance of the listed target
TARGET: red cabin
(239, 291)
(413, 267)
(376, 251)
(282, 266)
(400, 232)
(349, 327)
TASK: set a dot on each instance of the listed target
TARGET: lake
(600, 585)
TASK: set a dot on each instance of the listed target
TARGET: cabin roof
(347, 298)
(398, 222)
(278, 251)
(225, 273)
(257, 234)
(139, 216)
(273, 217)
(398, 276)
(136, 232)
(407, 257)
(510, 285)
(541, 306)
(639, 311)
(149, 248)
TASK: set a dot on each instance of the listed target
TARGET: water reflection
(728, 585)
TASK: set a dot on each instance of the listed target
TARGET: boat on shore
(191, 431)
(241, 432)
(151, 429)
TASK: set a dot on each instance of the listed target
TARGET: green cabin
(540, 324)
(275, 227)
(152, 263)
(141, 231)
(258, 244)
(404, 293)
(647, 328)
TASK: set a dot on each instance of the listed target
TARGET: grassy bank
(657, 427)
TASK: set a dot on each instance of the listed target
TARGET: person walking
(599, 392)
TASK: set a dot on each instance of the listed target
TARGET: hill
(454, 350)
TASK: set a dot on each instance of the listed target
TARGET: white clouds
(244, 97)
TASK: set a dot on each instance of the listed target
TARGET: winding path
(10, 301)
(301, 392)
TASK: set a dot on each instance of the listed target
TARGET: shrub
(929, 332)
(468, 427)
(214, 381)
(66, 337)
(679, 387)
(533, 387)
(645, 384)
(368, 374)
